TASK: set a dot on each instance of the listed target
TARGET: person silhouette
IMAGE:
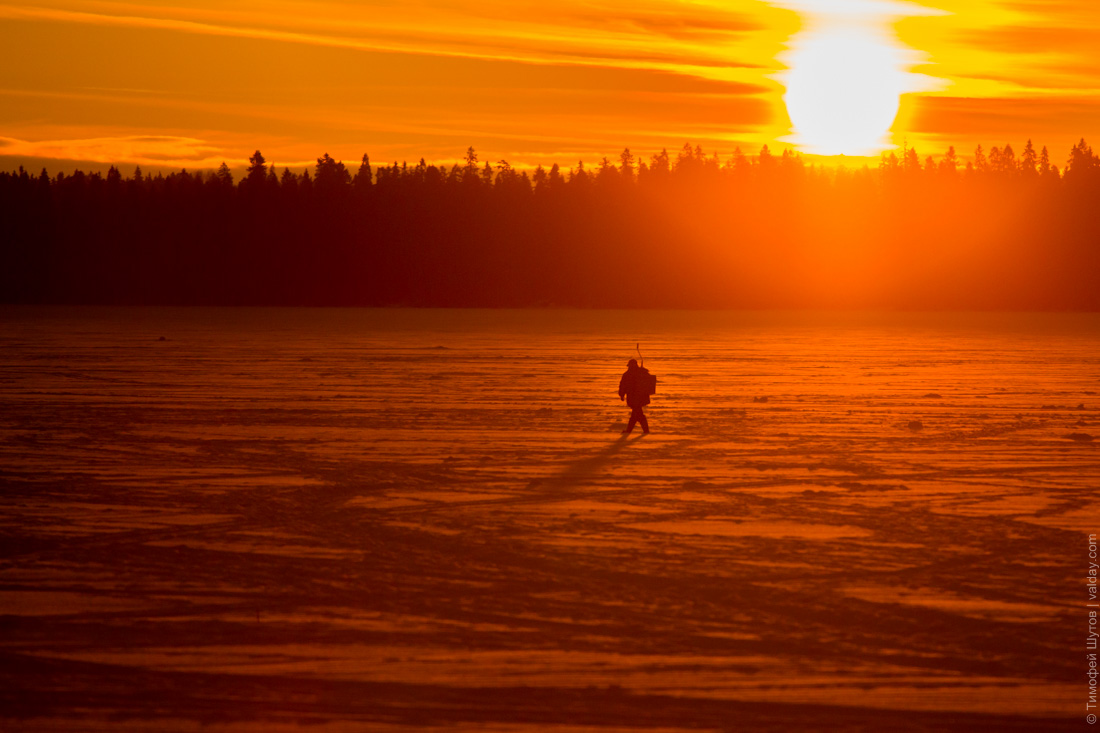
(633, 391)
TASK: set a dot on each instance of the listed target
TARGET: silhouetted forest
(691, 229)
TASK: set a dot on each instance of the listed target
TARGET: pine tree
(555, 180)
(741, 163)
(626, 165)
(607, 173)
(1028, 161)
(911, 161)
(363, 176)
(980, 163)
(685, 160)
(950, 163)
(765, 158)
(1008, 160)
(257, 171)
(578, 176)
(288, 182)
(224, 177)
(660, 165)
(1081, 162)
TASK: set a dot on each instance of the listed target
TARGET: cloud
(148, 149)
(1034, 58)
(404, 78)
(1079, 9)
(875, 10)
(648, 40)
(1033, 39)
(697, 26)
(1051, 76)
(1006, 117)
(414, 76)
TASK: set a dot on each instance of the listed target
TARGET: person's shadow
(583, 469)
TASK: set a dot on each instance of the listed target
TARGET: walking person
(635, 387)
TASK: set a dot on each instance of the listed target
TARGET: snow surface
(414, 519)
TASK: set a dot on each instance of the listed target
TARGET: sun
(843, 92)
(846, 72)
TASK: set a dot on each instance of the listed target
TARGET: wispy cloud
(1030, 39)
(699, 41)
(193, 81)
(1027, 47)
(168, 150)
(1007, 118)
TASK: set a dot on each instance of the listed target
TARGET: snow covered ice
(413, 519)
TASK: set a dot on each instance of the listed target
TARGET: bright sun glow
(846, 74)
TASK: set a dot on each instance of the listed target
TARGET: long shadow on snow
(584, 469)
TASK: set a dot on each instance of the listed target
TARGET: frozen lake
(412, 519)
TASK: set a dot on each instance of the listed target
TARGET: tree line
(999, 230)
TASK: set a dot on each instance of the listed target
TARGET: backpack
(647, 383)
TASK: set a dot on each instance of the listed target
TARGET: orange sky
(195, 82)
